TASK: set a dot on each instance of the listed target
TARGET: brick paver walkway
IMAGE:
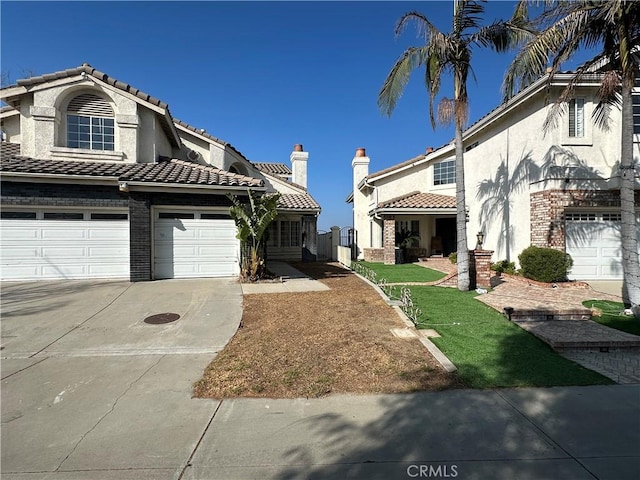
(621, 366)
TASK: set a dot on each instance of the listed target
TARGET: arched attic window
(90, 123)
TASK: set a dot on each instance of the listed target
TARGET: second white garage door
(195, 244)
(593, 241)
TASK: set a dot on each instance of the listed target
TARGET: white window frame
(446, 177)
(96, 133)
(576, 126)
(285, 234)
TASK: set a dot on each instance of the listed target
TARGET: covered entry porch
(410, 227)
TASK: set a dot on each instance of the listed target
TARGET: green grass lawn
(406, 272)
(611, 316)
(490, 351)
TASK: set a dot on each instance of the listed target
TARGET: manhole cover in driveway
(161, 318)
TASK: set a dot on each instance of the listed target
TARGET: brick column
(389, 239)
(481, 265)
(140, 237)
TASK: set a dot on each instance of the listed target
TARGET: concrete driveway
(88, 385)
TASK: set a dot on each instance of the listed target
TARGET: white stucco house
(523, 187)
(99, 180)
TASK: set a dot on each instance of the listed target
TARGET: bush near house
(453, 257)
(545, 264)
(504, 266)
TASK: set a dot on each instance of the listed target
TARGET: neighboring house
(523, 187)
(100, 181)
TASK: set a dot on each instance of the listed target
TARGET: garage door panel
(610, 252)
(21, 234)
(584, 271)
(216, 251)
(109, 251)
(586, 253)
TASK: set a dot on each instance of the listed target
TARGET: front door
(446, 230)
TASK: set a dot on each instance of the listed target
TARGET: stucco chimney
(360, 165)
(429, 150)
(299, 165)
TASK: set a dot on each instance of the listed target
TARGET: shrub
(504, 266)
(545, 264)
(453, 257)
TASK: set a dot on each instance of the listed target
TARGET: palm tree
(451, 53)
(614, 26)
(252, 220)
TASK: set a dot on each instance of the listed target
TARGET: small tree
(252, 219)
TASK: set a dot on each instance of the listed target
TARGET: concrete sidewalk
(525, 434)
(556, 433)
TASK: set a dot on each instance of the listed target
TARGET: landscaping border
(430, 346)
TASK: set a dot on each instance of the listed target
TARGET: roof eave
(158, 186)
(57, 178)
(421, 210)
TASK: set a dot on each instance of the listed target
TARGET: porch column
(389, 240)
(481, 267)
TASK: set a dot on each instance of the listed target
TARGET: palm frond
(466, 15)
(398, 77)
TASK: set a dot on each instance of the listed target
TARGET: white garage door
(195, 244)
(593, 241)
(48, 245)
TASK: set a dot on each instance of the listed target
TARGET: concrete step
(564, 335)
(546, 315)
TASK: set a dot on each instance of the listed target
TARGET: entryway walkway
(291, 280)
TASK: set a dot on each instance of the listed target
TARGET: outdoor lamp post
(480, 238)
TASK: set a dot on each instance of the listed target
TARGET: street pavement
(90, 391)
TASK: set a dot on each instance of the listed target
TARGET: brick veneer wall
(139, 237)
(62, 195)
(373, 254)
(548, 207)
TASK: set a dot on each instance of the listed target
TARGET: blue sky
(262, 76)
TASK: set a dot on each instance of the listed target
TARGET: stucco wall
(11, 128)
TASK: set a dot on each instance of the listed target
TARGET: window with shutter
(576, 118)
(90, 123)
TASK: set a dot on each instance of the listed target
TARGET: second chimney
(299, 165)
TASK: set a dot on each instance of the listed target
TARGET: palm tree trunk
(461, 214)
(630, 265)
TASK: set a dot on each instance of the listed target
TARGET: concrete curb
(433, 349)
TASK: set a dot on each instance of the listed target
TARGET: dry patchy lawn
(315, 343)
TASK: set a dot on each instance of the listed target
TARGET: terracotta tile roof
(298, 201)
(89, 70)
(169, 171)
(9, 149)
(420, 200)
(273, 168)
